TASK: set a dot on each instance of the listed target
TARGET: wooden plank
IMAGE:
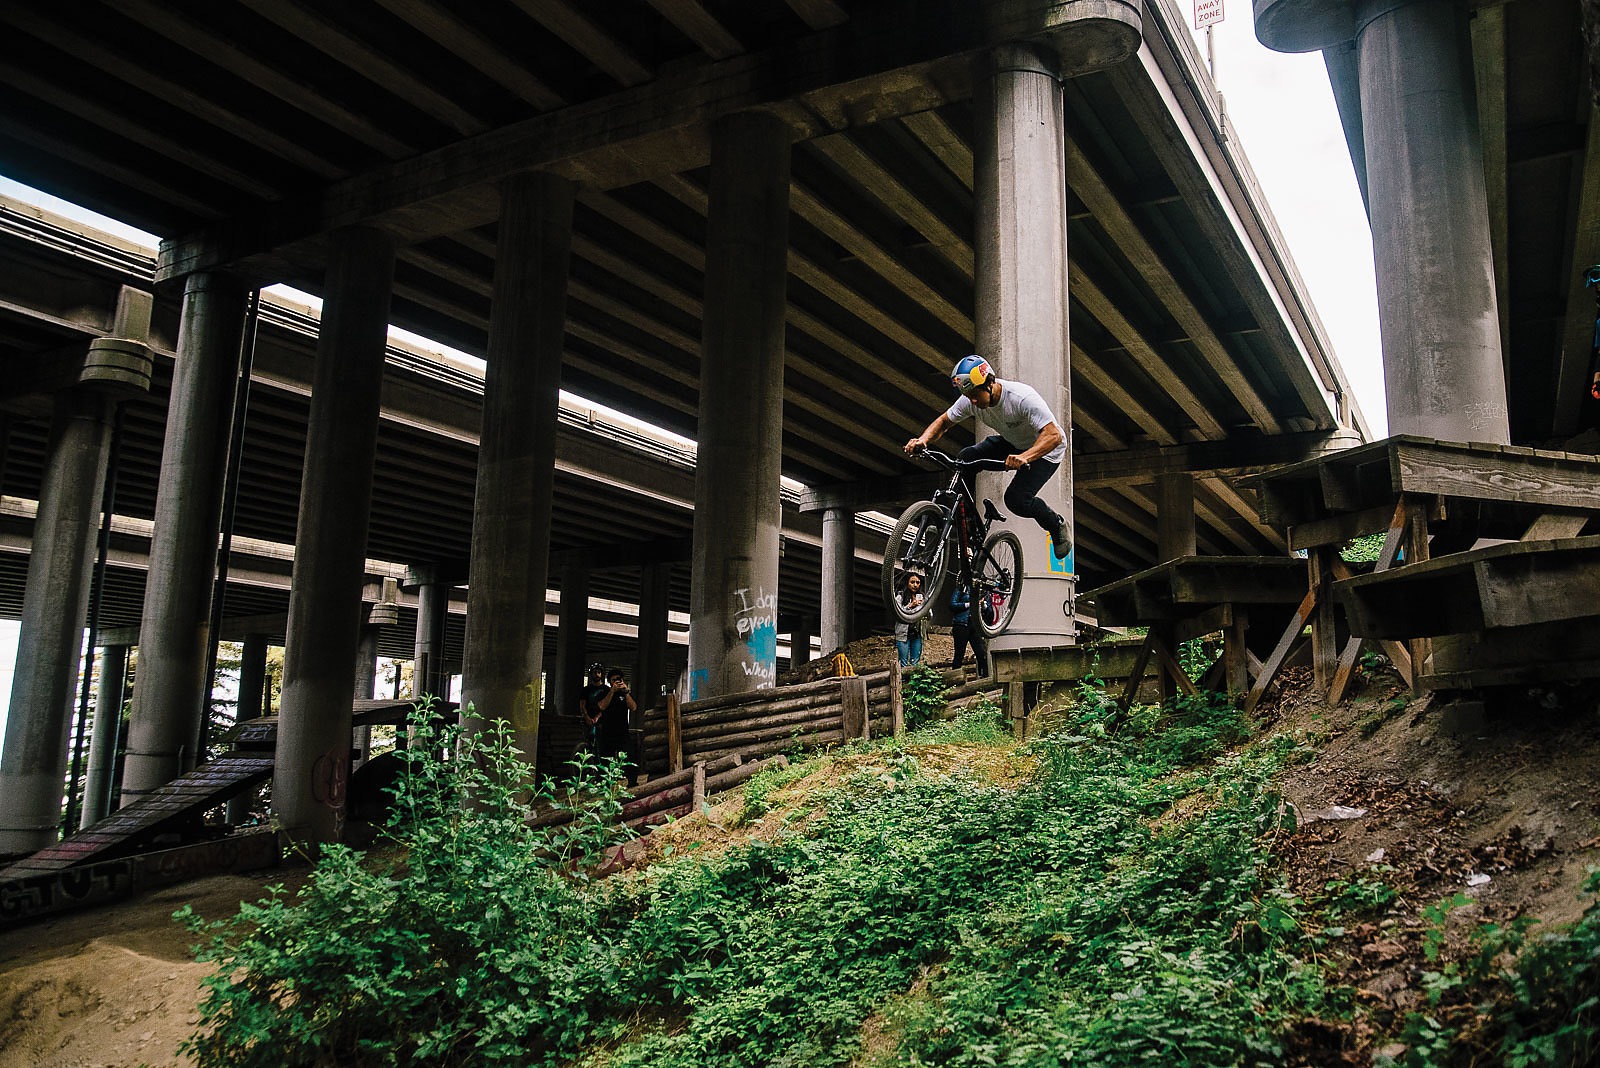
(1234, 580)
(1338, 529)
(1532, 479)
(1172, 668)
(1136, 676)
(1557, 523)
(1280, 653)
(897, 702)
(853, 708)
(674, 734)
(1235, 656)
(1324, 623)
(1346, 667)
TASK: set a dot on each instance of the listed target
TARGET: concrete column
(55, 601)
(175, 624)
(572, 635)
(252, 692)
(313, 755)
(1442, 371)
(733, 613)
(655, 586)
(800, 631)
(1432, 245)
(103, 741)
(1174, 516)
(253, 677)
(1020, 196)
(838, 577)
(366, 687)
(510, 566)
(428, 674)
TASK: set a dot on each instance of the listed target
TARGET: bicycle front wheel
(997, 582)
(915, 547)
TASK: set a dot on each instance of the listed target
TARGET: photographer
(612, 707)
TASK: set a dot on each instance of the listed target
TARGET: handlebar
(953, 464)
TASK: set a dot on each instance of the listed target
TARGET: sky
(1282, 108)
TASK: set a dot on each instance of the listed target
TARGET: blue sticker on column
(1059, 565)
(698, 679)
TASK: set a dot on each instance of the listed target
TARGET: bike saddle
(991, 513)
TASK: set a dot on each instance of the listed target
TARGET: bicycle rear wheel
(997, 582)
(915, 546)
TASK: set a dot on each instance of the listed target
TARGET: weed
(923, 695)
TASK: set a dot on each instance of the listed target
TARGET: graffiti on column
(757, 621)
(330, 775)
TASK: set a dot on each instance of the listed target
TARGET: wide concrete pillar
(1020, 195)
(55, 601)
(655, 586)
(1175, 533)
(510, 568)
(733, 613)
(109, 696)
(838, 577)
(313, 755)
(174, 631)
(1432, 247)
(572, 637)
(429, 676)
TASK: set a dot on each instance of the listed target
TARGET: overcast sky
(1283, 109)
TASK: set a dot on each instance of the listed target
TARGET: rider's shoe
(1060, 540)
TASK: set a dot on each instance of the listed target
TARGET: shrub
(431, 956)
(923, 695)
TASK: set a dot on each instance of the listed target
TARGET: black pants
(962, 634)
(609, 744)
(1022, 495)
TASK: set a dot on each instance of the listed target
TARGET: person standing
(614, 708)
(962, 632)
(908, 636)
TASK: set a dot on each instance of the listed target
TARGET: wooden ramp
(132, 827)
(1522, 613)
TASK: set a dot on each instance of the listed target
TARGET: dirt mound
(111, 986)
(874, 654)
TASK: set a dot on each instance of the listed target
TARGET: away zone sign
(1206, 12)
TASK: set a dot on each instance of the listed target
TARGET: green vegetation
(1108, 898)
(1508, 997)
(922, 694)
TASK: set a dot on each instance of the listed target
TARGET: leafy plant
(923, 695)
(429, 955)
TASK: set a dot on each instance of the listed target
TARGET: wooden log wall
(761, 723)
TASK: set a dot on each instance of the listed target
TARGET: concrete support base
(103, 742)
(733, 629)
(175, 626)
(49, 650)
(516, 458)
(1020, 195)
(313, 755)
(838, 578)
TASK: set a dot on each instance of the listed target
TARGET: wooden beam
(1159, 368)
(1087, 370)
(478, 51)
(1152, 268)
(1280, 653)
(588, 39)
(700, 26)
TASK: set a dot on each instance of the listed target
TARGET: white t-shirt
(1018, 418)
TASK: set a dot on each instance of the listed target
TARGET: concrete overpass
(769, 227)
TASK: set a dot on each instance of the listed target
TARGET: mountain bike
(931, 537)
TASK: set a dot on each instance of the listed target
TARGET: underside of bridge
(630, 146)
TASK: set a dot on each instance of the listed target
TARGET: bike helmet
(973, 372)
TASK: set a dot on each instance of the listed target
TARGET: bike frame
(956, 503)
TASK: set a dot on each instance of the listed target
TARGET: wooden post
(853, 717)
(698, 798)
(897, 705)
(1269, 670)
(1136, 676)
(1016, 708)
(1416, 542)
(1324, 636)
(1235, 655)
(674, 735)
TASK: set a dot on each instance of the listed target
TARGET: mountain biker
(1027, 437)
